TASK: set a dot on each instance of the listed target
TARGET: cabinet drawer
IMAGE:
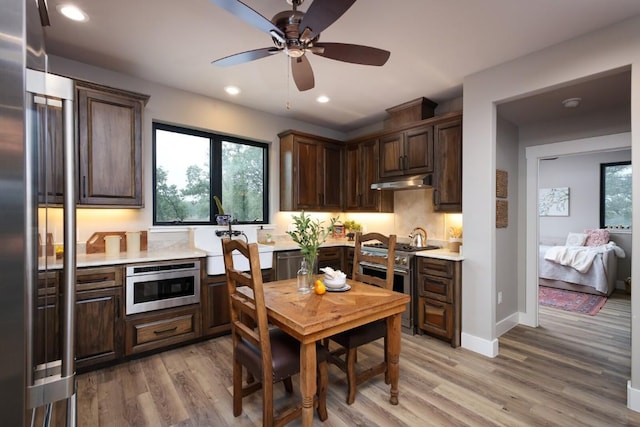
(98, 278)
(164, 329)
(436, 287)
(151, 331)
(330, 254)
(435, 317)
(436, 267)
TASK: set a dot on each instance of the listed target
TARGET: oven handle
(379, 267)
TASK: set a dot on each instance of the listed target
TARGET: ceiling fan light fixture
(571, 102)
(72, 12)
(232, 90)
(323, 99)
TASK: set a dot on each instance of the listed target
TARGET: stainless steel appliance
(287, 264)
(403, 275)
(162, 285)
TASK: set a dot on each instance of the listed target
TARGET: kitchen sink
(205, 239)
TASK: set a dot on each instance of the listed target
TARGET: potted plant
(353, 228)
(455, 238)
(309, 234)
(221, 218)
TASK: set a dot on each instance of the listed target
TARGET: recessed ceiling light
(571, 102)
(232, 90)
(322, 99)
(72, 12)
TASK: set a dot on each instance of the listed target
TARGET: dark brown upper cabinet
(310, 172)
(362, 160)
(409, 152)
(109, 146)
(447, 194)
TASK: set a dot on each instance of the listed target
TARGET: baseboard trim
(485, 347)
(633, 397)
(507, 324)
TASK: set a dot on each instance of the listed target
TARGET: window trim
(603, 166)
(215, 170)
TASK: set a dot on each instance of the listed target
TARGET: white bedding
(598, 265)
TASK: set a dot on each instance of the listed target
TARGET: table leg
(307, 381)
(393, 354)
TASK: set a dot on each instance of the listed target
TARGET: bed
(590, 269)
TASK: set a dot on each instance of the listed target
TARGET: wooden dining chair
(350, 340)
(268, 354)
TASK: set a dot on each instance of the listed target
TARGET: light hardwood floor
(571, 371)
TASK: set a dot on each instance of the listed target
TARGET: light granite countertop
(101, 259)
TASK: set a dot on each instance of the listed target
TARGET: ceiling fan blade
(302, 73)
(250, 16)
(247, 56)
(353, 53)
(321, 14)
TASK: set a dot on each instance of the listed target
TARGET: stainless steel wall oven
(162, 285)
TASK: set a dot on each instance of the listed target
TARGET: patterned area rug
(570, 300)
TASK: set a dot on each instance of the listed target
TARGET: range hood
(405, 183)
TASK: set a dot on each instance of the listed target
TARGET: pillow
(576, 239)
(597, 237)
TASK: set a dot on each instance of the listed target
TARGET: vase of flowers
(455, 238)
(309, 234)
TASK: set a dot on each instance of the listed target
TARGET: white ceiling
(433, 45)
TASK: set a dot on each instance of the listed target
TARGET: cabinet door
(418, 153)
(50, 159)
(353, 177)
(307, 157)
(215, 306)
(448, 172)
(47, 319)
(435, 317)
(110, 142)
(392, 155)
(331, 177)
(330, 257)
(99, 336)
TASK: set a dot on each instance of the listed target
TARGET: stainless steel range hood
(405, 183)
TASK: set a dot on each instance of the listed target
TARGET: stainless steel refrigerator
(37, 171)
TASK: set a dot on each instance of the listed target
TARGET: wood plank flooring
(571, 371)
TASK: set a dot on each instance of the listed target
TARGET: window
(615, 195)
(190, 167)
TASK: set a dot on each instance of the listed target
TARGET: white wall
(601, 51)
(581, 173)
(507, 238)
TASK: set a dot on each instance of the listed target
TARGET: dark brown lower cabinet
(332, 256)
(439, 298)
(99, 316)
(47, 318)
(214, 300)
(162, 328)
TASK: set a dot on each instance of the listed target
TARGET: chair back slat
(388, 261)
(248, 310)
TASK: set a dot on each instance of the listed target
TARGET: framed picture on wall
(553, 201)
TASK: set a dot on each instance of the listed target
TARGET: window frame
(603, 166)
(215, 171)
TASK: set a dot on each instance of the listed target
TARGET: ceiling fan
(295, 33)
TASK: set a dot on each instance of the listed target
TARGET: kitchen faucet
(231, 233)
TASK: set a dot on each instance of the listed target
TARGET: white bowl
(334, 282)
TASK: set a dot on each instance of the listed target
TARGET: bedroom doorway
(535, 155)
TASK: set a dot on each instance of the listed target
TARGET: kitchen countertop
(288, 245)
(101, 259)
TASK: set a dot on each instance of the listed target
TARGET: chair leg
(351, 375)
(237, 388)
(288, 385)
(267, 402)
(323, 380)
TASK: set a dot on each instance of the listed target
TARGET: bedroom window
(191, 166)
(615, 195)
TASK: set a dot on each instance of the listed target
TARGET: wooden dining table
(311, 317)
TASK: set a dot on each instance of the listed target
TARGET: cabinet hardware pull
(84, 186)
(400, 163)
(164, 331)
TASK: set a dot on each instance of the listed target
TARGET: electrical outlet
(500, 297)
